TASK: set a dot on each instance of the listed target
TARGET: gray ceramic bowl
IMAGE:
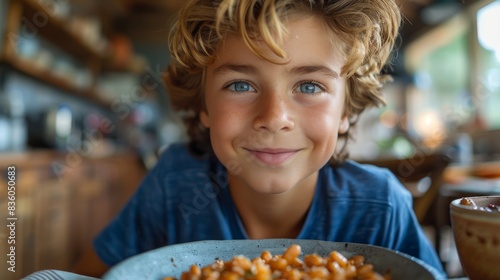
(174, 259)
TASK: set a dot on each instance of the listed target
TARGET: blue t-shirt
(187, 199)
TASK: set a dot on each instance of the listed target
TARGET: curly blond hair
(367, 28)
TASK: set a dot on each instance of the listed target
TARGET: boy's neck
(274, 216)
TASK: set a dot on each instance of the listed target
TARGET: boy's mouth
(272, 156)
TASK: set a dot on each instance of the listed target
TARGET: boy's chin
(271, 186)
(273, 190)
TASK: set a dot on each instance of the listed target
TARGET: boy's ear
(204, 119)
(344, 124)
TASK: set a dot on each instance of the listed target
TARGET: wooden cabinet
(57, 217)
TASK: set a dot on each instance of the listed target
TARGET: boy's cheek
(234, 167)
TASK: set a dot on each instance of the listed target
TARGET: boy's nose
(274, 114)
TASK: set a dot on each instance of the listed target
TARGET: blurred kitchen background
(84, 113)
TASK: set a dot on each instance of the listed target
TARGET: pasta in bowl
(174, 260)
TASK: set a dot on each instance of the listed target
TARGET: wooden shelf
(57, 31)
(136, 65)
(40, 21)
(44, 76)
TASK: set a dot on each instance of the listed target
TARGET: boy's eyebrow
(313, 69)
(241, 68)
(299, 70)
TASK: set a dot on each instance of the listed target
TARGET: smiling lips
(272, 156)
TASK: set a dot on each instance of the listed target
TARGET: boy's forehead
(307, 34)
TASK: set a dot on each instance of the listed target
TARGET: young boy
(272, 85)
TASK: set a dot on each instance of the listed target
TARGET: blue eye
(240, 87)
(309, 88)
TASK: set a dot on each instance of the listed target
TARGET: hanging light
(488, 20)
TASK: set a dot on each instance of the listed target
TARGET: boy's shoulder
(360, 179)
(362, 171)
(178, 171)
(177, 157)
